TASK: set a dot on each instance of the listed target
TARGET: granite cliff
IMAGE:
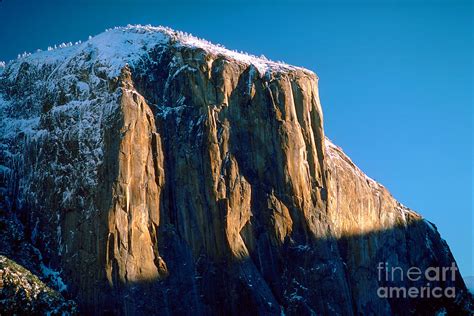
(152, 172)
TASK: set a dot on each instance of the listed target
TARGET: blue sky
(396, 78)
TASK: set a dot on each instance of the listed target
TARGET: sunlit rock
(159, 173)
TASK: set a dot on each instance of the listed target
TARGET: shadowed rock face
(195, 180)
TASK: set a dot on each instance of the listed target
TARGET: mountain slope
(163, 174)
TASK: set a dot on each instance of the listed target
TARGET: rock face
(159, 173)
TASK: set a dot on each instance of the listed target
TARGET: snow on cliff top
(127, 45)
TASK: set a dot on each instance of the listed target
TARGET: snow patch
(48, 273)
(119, 46)
(262, 64)
(54, 276)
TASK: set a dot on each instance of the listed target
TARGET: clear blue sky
(396, 78)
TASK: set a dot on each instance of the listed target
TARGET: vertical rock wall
(196, 182)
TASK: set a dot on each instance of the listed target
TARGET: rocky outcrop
(162, 174)
(23, 293)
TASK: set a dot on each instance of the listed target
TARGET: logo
(427, 278)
